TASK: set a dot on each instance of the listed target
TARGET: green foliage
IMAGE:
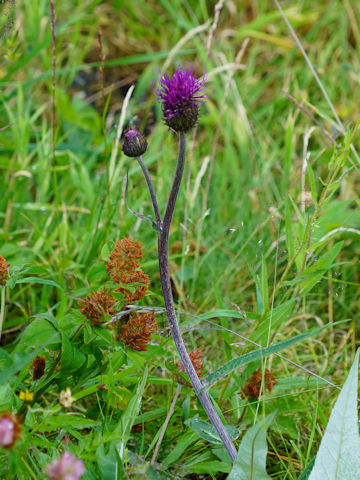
(339, 452)
(250, 463)
(264, 244)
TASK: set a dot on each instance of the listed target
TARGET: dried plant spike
(254, 385)
(97, 306)
(9, 430)
(38, 367)
(137, 331)
(140, 290)
(4, 270)
(196, 357)
(124, 257)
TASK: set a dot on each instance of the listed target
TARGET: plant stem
(152, 192)
(163, 245)
(2, 308)
(166, 423)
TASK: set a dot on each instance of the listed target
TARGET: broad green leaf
(208, 432)
(39, 333)
(109, 464)
(257, 355)
(250, 463)
(338, 457)
(71, 357)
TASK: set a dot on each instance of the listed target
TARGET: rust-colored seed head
(196, 357)
(137, 331)
(4, 270)
(252, 388)
(38, 367)
(97, 306)
(124, 257)
(139, 277)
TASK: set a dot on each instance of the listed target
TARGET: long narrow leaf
(338, 457)
(221, 372)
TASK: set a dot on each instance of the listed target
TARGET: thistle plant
(181, 96)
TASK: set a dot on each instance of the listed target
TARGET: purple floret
(181, 95)
(67, 467)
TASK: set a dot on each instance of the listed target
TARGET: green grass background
(239, 219)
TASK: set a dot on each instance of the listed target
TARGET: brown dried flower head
(252, 388)
(38, 367)
(196, 357)
(124, 257)
(97, 306)
(138, 329)
(4, 270)
(139, 291)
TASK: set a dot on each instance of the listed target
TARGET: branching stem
(152, 192)
(163, 247)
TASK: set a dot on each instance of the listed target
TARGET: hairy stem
(163, 245)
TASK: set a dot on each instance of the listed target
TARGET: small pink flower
(67, 467)
(9, 430)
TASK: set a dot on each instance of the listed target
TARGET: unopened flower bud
(135, 143)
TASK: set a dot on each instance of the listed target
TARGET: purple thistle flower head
(135, 143)
(181, 95)
(67, 467)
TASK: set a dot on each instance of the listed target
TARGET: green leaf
(129, 415)
(43, 281)
(314, 273)
(288, 230)
(273, 319)
(257, 355)
(250, 463)
(182, 445)
(73, 422)
(311, 175)
(40, 332)
(208, 432)
(71, 357)
(306, 473)
(109, 464)
(338, 457)
(7, 397)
